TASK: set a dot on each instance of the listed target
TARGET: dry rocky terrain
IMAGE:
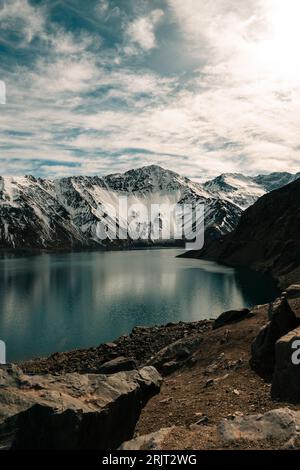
(210, 396)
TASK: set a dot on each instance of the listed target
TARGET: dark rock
(293, 298)
(293, 291)
(175, 355)
(282, 320)
(169, 367)
(225, 337)
(286, 378)
(232, 316)
(202, 421)
(209, 383)
(72, 411)
(119, 364)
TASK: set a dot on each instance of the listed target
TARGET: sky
(201, 87)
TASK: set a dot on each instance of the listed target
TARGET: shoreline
(100, 249)
(140, 345)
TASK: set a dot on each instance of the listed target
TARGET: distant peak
(151, 168)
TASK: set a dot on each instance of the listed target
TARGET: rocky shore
(138, 348)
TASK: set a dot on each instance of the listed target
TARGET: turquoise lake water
(58, 302)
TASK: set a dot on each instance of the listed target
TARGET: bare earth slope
(219, 385)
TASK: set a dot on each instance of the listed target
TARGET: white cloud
(83, 106)
(21, 17)
(142, 30)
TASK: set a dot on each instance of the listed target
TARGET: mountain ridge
(41, 213)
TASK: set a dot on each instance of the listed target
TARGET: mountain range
(68, 213)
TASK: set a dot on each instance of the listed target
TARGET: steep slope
(85, 212)
(236, 188)
(32, 217)
(245, 190)
(275, 180)
(267, 237)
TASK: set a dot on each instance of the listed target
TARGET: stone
(293, 291)
(282, 320)
(209, 383)
(202, 420)
(153, 441)
(225, 337)
(110, 345)
(169, 367)
(230, 317)
(119, 364)
(286, 377)
(279, 425)
(72, 411)
(175, 355)
(293, 298)
(166, 401)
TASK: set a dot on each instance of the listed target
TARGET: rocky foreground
(224, 384)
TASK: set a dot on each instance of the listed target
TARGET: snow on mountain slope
(159, 186)
(236, 188)
(245, 190)
(153, 179)
(32, 217)
(84, 212)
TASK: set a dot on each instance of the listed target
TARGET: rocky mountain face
(245, 190)
(85, 212)
(236, 188)
(275, 180)
(72, 411)
(266, 238)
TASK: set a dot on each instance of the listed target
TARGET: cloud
(142, 30)
(102, 7)
(22, 19)
(95, 94)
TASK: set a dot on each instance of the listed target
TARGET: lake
(58, 302)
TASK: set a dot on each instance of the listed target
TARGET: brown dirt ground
(186, 395)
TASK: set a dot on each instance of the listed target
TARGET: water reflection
(62, 301)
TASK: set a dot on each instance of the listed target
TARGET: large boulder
(175, 355)
(293, 298)
(281, 426)
(293, 291)
(281, 320)
(286, 378)
(72, 411)
(230, 317)
(119, 364)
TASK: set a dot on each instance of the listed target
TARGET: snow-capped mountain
(275, 180)
(236, 188)
(85, 212)
(245, 190)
